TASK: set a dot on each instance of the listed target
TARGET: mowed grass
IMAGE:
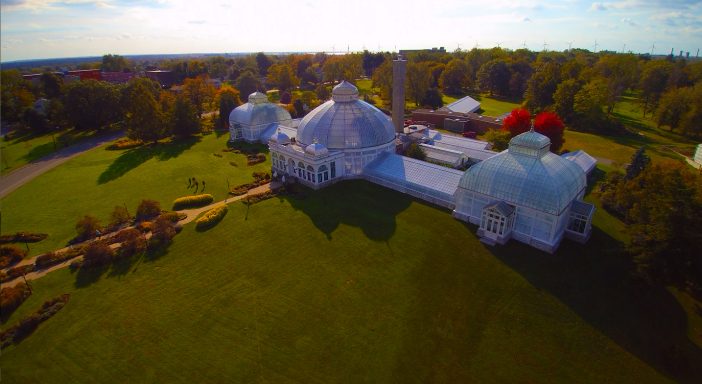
(20, 149)
(94, 183)
(354, 283)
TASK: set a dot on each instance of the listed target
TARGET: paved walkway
(192, 214)
(17, 178)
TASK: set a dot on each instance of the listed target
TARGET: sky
(36, 29)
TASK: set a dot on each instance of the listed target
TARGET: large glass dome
(528, 175)
(259, 111)
(345, 122)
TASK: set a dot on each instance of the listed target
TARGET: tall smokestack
(399, 68)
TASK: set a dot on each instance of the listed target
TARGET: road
(17, 178)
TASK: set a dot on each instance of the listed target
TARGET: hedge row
(211, 217)
(192, 201)
(23, 237)
(52, 258)
(16, 272)
(253, 199)
(27, 325)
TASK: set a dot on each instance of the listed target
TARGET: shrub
(253, 199)
(11, 254)
(12, 297)
(148, 209)
(23, 237)
(132, 242)
(119, 216)
(144, 226)
(87, 227)
(98, 253)
(211, 217)
(173, 216)
(192, 201)
(125, 144)
(28, 324)
(16, 272)
(217, 154)
(162, 232)
(53, 258)
(75, 265)
(255, 159)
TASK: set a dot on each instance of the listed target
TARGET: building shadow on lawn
(133, 158)
(357, 203)
(597, 283)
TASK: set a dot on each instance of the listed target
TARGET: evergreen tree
(638, 163)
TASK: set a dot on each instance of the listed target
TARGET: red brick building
(459, 122)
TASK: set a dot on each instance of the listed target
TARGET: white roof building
(249, 121)
(544, 189)
(526, 192)
(464, 105)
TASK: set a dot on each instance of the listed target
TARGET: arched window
(322, 174)
(281, 157)
(310, 173)
(275, 155)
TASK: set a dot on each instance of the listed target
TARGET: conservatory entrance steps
(488, 241)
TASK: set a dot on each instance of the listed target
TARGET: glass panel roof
(346, 125)
(421, 176)
(548, 183)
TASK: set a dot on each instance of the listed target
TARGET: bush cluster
(162, 232)
(23, 237)
(253, 199)
(255, 159)
(27, 325)
(52, 258)
(133, 242)
(98, 253)
(260, 178)
(16, 272)
(192, 201)
(12, 297)
(211, 217)
(11, 254)
(148, 209)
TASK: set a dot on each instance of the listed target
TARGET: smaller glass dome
(316, 149)
(280, 138)
(259, 111)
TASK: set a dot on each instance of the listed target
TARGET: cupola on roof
(344, 91)
(345, 122)
(527, 175)
(258, 98)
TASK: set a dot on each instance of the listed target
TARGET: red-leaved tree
(551, 126)
(518, 121)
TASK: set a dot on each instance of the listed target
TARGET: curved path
(17, 178)
(192, 214)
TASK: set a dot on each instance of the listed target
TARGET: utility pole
(545, 45)
(653, 46)
(596, 46)
(570, 45)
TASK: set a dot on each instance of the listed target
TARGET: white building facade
(335, 141)
(526, 193)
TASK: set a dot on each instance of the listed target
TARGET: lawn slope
(354, 283)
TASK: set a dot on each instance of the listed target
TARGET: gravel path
(192, 214)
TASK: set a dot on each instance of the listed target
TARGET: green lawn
(19, 150)
(614, 151)
(95, 182)
(351, 284)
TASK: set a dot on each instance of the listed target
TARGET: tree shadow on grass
(133, 158)
(86, 276)
(356, 203)
(596, 282)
